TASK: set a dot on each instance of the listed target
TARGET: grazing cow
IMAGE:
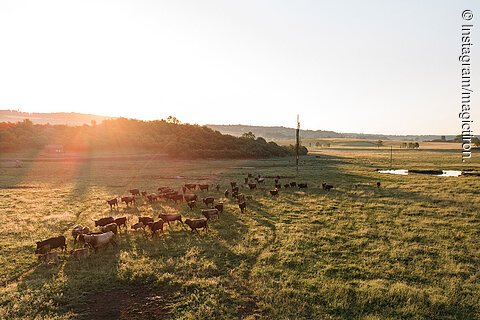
(235, 195)
(55, 242)
(138, 225)
(155, 226)
(144, 193)
(152, 197)
(78, 230)
(110, 227)
(122, 221)
(302, 186)
(81, 237)
(190, 186)
(274, 192)
(134, 192)
(43, 250)
(219, 207)
(226, 193)
(233, 184)
(47, 257)
(326, 187)
(278, 186)
(104, 221)
(286, 185)
(80, 254)
(293, 184)
(203, 187)
(167, 218)
(113, 202)
(252, 186)
(241, 197)
(192, 204)
(96, 241)
(145, 220)
(210, 214)
(190, 197)
(195, 224)
(176, 197)
(242, 206)
(128, 199)
(378, 184)
(209, 200)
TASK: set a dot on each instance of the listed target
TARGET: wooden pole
(297, 144)
(391, 156)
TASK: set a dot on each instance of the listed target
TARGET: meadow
(407, 250)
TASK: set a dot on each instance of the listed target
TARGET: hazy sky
(348, 66)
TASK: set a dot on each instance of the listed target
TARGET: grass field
(408, 250)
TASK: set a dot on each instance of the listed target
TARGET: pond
(437, 173)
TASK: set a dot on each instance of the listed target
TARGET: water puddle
(400, 172)
(444, 173)
(450, 173)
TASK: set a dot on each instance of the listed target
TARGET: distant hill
(269, 133)
(71, 118)
(283, 133)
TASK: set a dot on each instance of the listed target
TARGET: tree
(379, 143)
(443, 138)
(416, 145)
(172, 119)
(248, 135)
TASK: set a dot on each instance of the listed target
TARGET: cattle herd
(85, 239)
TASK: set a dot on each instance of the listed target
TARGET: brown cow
(122, 221)
(145, 220)
(252, 186)
(129, 199)
(210, 214)
(155, 226)
(203, 186)
(219, 207)
(110, 227)
(167, 218)
(55, 242)
(152, 197)
(242, 206)
(104, 221)
(209, 200)
(190, 186)
(134, 192)
(302, 186)
(192, 204)
(113, 202)
(195, 224)
(293, 184)
(190, 197)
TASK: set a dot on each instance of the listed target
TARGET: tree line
(162, 136)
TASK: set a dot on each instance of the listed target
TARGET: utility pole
(391, 156)
(297, 144)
